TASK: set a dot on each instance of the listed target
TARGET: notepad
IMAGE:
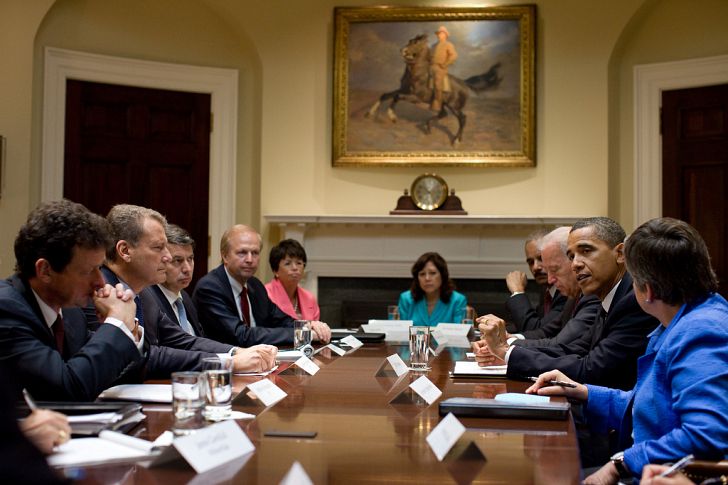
(464, 368)
(139, 392)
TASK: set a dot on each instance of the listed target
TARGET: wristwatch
(618, 460)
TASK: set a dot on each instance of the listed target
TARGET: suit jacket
(92, 362)
(218, 310)
(187, 302)
(171, 349)
(576, 319)
(307, 304)
(606, 355)
(525, 317)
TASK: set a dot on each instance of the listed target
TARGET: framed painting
(434, 86)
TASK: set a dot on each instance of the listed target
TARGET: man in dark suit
(234, 305)
(174, 301)
(59, 252)
(138, 259)
(579, 311)
(524, 317)
(607, 354)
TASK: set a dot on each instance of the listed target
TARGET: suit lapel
(23, 287)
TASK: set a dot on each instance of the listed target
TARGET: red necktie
(59, 333)
(547, 301)
(245, 306)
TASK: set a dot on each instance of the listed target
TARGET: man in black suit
(175, 302)
(234, 305)
(138, 259)
(607, 354)
(579, 311)
(59, 252)
(524, 317)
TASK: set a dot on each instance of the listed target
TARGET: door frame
(649, 82)
(221, 84)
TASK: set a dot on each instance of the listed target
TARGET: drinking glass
(469, 318)
(301, 333)
(187, 402)
(217, 375)
(419, 344)
(393, 312)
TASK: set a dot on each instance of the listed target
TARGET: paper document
(518, 398)
(108, 447)
(139, 392)
(465, 368)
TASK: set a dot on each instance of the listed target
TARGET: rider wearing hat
(442, 57)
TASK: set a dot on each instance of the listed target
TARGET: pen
(29, 400)
(554, 382)
(677, 466)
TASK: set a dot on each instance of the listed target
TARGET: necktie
(547, 301)
(245, 306)
(59, 333)
(598, 326)
(183, 322)
(139, 313)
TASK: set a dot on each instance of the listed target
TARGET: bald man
(234, 305)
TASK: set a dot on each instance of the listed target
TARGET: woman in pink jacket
(288, 260)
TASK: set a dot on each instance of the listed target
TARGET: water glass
(393, 312)
(419, 344)
(301, 333)
(217, 376)
(469, 317)
(188, 400)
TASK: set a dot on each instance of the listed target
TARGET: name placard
(426, 389)
(397, 364)
(307, 364)
(296, 476)
(214, 445)
(336, 350)
(267, 392)
(351, 341)
(445, 435)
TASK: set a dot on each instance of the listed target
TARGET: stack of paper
(464, 368)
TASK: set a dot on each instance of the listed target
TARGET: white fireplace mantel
(387, 246)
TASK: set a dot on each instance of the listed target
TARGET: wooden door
(695, 166)
(148, 147)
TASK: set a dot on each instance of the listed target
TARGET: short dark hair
(178, 236)
(670, 256)
(447, 286)
(53, 230)
(287, 247)
(536, 235)
(605, 229)
(126, 222)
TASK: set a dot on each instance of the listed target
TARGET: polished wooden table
(364, 437)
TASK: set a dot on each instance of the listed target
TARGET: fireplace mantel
(387, 246)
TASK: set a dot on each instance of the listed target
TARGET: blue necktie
(183, 322)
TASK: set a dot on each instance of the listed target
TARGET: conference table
(370, 429)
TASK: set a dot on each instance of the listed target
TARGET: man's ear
(43, 270)
(619, 253)
(123, 250)
(649, 293)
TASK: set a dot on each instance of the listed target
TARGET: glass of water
(301, 333)
(419, 344)
(188, 400)
(469, 317)
(393, 312)
(217, 374)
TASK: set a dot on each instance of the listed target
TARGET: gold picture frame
(383, 110)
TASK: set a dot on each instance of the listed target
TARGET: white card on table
(426, 389)
(296, 476)
(453, 329)
(397, 364)
(445, 435)
(214, 445)
(352, 341)
(307, 364)
(336, 350)
(267, 392)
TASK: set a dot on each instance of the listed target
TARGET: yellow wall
(283, 50)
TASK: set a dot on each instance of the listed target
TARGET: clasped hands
(492, 347)
(116, 302)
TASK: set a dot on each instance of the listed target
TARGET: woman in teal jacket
(432, 299)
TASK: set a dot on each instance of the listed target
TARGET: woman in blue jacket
(679, 405)
(432, 299)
